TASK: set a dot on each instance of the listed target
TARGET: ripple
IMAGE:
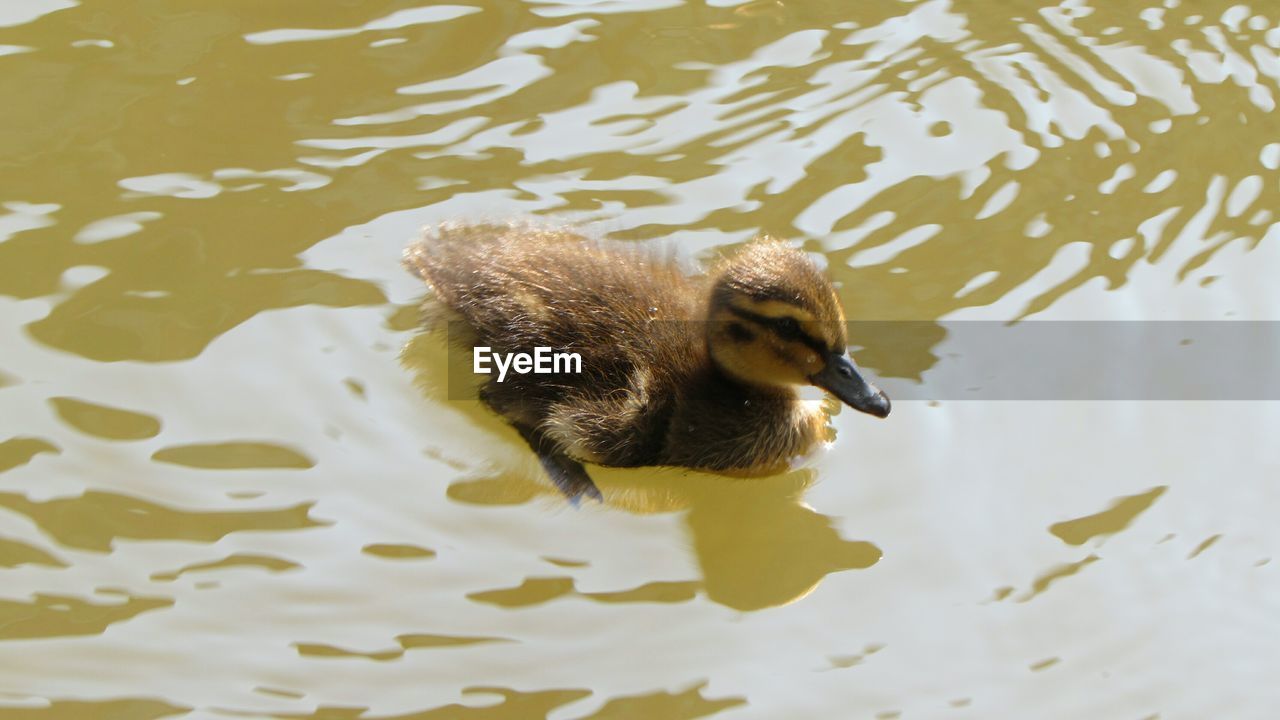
(117, 709)
(234, 456)
(1108, 522)
(652, 592)
(1042, 583)
(19, 451)
(105, 422)
(413, 641)
(48, 616)
(266, 562)
(22, 217)
(95, 519)
(1204, 545)
(393, 551)
(32, 10)
(399, 19)
(14, 553)
(110, 321)
(684, 705)
(533, 591)
(511, 703)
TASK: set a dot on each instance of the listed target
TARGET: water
(225, 492)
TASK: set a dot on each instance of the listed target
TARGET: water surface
(228, 487)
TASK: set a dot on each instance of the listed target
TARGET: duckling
(692, 371)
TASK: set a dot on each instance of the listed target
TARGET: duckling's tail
(429, 254)
(445, 254)
(462, 262)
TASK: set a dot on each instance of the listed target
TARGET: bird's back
(519, 288)
(630, 313)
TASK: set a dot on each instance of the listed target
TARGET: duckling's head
(775, 320)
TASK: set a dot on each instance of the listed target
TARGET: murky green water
(223, 492)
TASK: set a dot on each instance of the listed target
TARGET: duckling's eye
(787, 328)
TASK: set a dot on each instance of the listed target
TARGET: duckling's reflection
(756, 541)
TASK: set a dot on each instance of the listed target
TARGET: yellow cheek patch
(802, 360)
(792, 361)
(810, 362)
(776, 367)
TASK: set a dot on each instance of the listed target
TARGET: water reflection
(757, 543)
(760, 546)
(1034, 132)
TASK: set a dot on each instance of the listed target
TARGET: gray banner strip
(1053, 360)
(1038, 360)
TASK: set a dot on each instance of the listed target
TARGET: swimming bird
(690, 370)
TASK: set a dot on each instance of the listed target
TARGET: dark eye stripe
(771, 325)
(786, 328)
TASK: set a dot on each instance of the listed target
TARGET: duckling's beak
(841, 378)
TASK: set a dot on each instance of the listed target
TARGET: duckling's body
(676, 369)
